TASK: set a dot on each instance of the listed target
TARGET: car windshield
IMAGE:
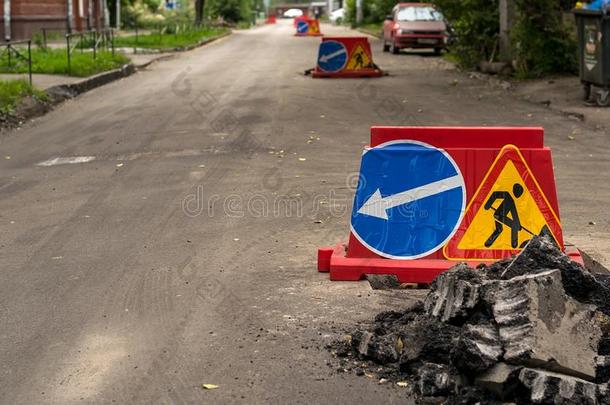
(419, 14)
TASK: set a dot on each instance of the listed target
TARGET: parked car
(292, 13)
(337, 16)
(414, 25)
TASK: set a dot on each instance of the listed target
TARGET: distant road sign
(302, 27)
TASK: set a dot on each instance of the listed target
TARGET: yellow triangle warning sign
(507, 210)
(359, 59)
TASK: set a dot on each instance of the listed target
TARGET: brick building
(23, 18)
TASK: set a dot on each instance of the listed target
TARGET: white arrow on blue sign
(302, 27)
(410, 199)
(332, 56)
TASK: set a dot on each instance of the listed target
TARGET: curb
(65, 91)
(150, 51)
(369, 32)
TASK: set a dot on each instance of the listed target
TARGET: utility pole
(106, 14)
(7, 20)
(507, 18)
(70, 17)
(118, 14)
(358, 12)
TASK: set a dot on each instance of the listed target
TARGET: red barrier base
(421, 271)
(353, 74)
(308, 35)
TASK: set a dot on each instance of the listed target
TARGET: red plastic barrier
(349, 57)
(490, 160)
(271, 20)
(295, 20)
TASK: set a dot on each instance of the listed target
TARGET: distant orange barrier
(308, 28)
(345, 57)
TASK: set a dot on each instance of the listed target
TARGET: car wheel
(437, 51)
(394, 49)
(386, 47)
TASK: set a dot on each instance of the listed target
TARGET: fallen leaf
(209, 386)
(302, 159)
(317, 221)
(119, 165)
(7, 157)
(402, 384)
(399, 345)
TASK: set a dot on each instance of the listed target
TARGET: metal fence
(14, 52)
(89, 41)
(47, 33)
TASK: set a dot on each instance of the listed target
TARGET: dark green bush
(476, 27)
(542, 43)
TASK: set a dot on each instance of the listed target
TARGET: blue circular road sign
(302, 27)
(332, 56)
(410, 199)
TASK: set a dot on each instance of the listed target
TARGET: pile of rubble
(533, 329)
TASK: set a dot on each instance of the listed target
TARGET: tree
(199, 7)
(232, 11)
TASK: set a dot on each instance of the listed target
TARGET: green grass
(377, 27)
(168, 41)
(55, 61)
(372, 28)
(12, 91)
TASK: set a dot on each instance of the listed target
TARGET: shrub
(542, 43)
(475, 24)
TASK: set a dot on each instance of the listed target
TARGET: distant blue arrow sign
(332, 56)
(302, 27)
(410, 199)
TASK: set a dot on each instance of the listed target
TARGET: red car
(414, 25)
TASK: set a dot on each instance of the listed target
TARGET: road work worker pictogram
(505, 212)
(359, 60)
(506, 215)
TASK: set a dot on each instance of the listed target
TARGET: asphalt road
(183, 252)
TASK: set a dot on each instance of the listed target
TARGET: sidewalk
(563, 94)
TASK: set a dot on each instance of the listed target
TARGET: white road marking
(66, 161)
